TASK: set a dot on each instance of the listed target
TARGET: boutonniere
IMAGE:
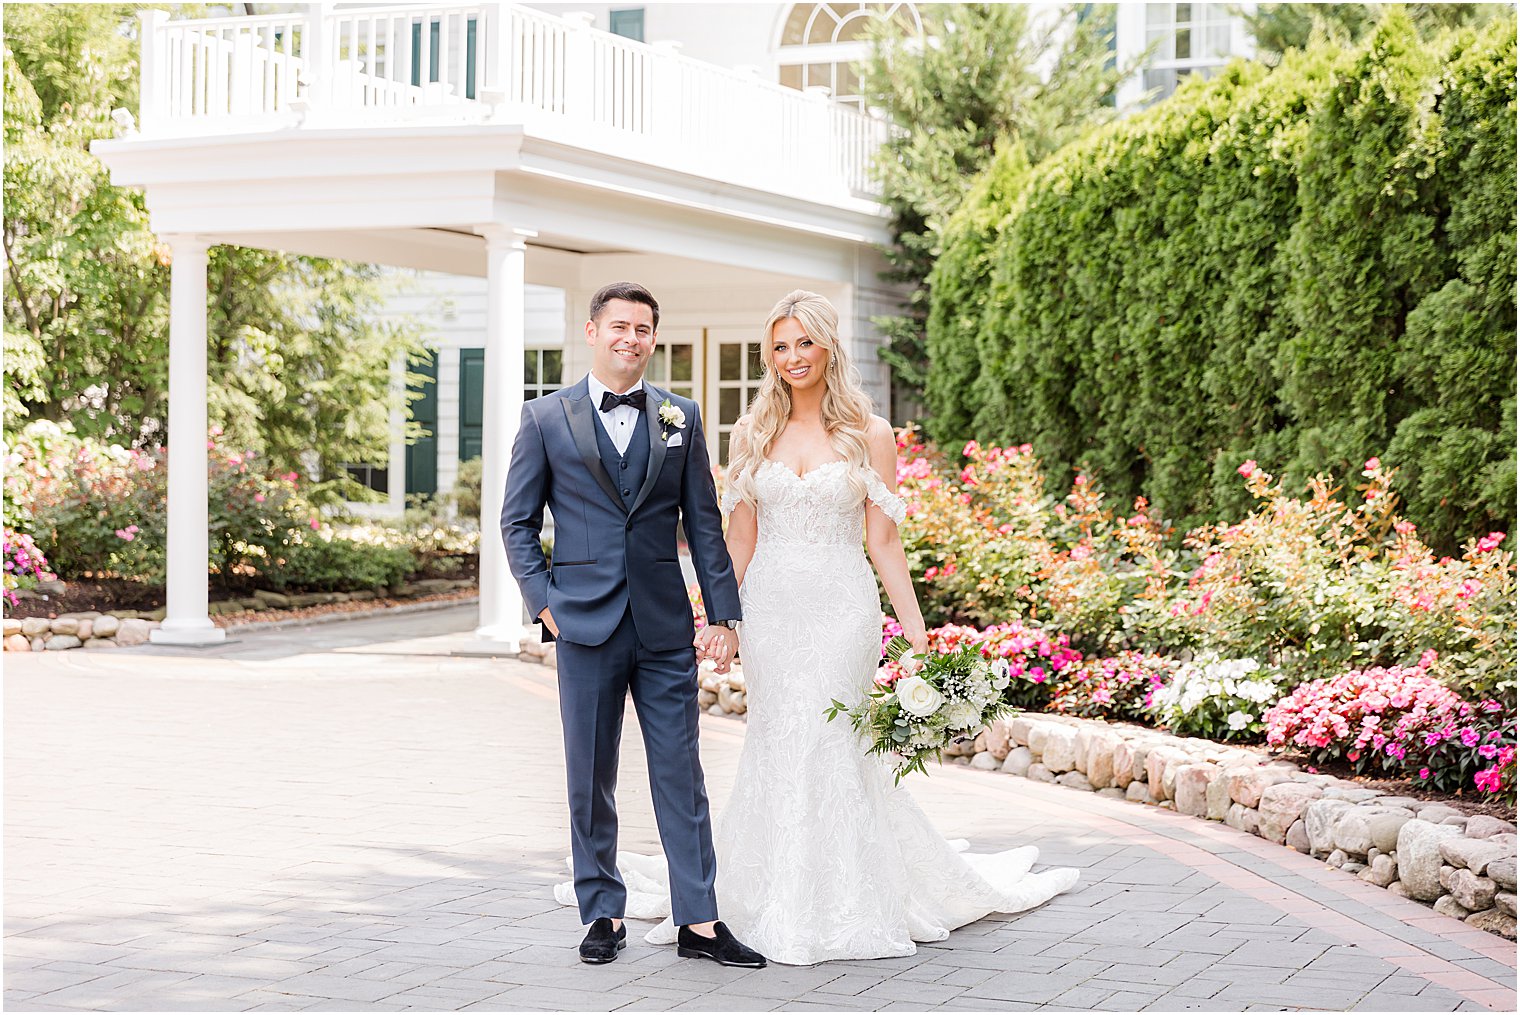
(671, 416)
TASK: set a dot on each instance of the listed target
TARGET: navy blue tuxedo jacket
(609, 555)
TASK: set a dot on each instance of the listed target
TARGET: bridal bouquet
(937, 701)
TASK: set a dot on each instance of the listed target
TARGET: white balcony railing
(500, 63)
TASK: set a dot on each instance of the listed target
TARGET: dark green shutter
(422, 456)
(472, 389)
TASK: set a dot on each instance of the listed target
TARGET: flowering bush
(1035, 658)
(987, 543)
(1114, 687)
(101, 509)
(1398, 720)
(25, 565)
(1318, 586)
(973, 543)
(91, 507)
(1222, 699)
(1310, 585)
(1499, 777)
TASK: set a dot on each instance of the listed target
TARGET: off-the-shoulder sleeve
(890, 503)
(731, 499)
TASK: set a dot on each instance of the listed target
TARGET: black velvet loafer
(723, 948)
(602, 943)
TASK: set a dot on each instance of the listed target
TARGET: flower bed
(98, 511)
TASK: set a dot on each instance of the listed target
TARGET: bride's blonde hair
(846, 406)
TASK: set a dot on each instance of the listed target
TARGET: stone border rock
(1463, 865)
(76, 630)
(122, 628)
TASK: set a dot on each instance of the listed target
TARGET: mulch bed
(359, 606)
(86, 594)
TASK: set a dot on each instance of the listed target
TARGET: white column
(186, 620)
(501, 605)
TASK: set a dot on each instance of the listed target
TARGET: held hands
(718, 644)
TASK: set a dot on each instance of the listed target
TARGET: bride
(820, 856)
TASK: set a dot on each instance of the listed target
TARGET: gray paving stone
(259, 857)
(1383, 1001)
(1039, 987)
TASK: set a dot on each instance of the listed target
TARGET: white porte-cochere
(484, 140)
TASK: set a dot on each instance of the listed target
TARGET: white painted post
(501, 606)
(187, 621)
(666, 101)
(317, 56)
(580, 68)
(153, 90)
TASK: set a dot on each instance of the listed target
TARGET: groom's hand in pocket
(548, 619)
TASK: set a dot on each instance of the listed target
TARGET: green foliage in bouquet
(945, 698)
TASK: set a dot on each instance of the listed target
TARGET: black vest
(627, 470)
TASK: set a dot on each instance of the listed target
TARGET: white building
(530, 153)
(708, 328)
(1188, 38)
(517, 158)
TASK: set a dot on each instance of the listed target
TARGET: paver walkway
(349, 817)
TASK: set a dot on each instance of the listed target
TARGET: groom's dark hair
(630, 291)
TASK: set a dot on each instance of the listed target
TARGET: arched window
(821, 43)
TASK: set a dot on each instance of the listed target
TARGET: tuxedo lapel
(657, 448)
(579, 415)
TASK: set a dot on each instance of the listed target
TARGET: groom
(620, 463)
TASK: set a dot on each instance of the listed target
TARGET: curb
(330, 618)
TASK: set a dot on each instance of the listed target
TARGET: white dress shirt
(618, 421)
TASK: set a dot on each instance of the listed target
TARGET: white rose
(673, 415)
(962, 716)
(918, 697)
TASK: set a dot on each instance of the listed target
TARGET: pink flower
(1490, 542)
(314, 525)
(258, 498)
(1424, 773)
(1371, 466)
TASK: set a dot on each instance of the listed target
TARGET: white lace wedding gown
(819, 856)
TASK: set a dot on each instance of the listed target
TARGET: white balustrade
(503, 63)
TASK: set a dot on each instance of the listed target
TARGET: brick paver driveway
(351, 817)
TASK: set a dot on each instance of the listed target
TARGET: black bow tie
(633, 398)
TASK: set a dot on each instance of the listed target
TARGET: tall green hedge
(1308, 266)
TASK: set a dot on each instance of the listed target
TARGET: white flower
(962, 716)
(1239, 720)
(671, 415)
(1000, 675)
(918, 697)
